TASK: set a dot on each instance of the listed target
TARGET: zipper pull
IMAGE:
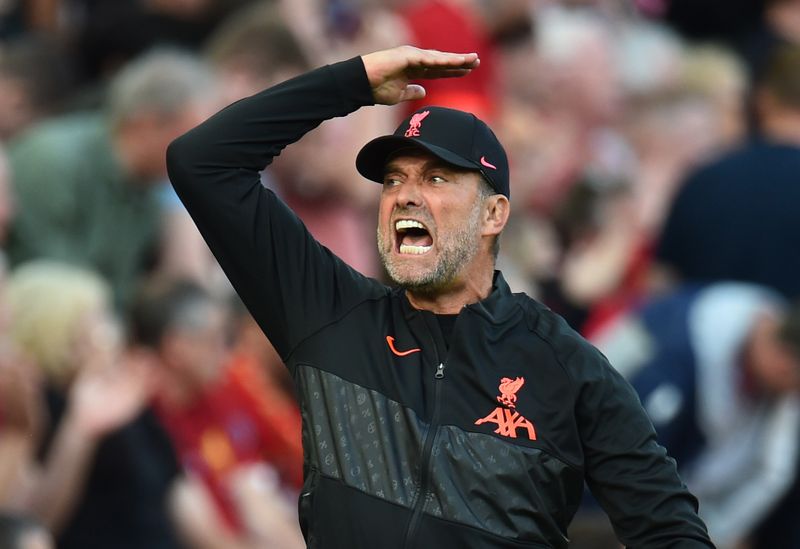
(439, 371)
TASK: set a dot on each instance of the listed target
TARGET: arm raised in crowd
(100, 401)
(21, 416)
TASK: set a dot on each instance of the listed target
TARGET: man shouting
(446, 411)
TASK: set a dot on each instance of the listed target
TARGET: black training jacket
(407, 444)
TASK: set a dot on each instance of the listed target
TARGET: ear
(495, 215)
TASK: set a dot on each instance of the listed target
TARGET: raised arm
(290, 283)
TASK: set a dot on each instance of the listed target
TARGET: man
(87, 183)
(736, 218)
(447, 412)
(217, 427)
(716, 366)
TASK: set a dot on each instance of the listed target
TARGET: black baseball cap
(457, 137)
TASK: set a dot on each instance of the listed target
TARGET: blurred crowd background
(655, 171)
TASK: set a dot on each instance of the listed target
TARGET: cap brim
(371, 159)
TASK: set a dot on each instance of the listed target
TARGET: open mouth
(412, 237)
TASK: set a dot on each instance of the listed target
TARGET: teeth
(414, 250)
(408, 224)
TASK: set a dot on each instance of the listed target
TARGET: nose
(409, 194)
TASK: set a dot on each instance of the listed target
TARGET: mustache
(414, 213)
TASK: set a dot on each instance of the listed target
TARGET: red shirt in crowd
(241, 420)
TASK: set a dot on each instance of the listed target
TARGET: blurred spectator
(573, 99)
(316, 176)
(106, 468)
(650, 58)
(251, 351)
(21, 532)
(668, 134)
(670, 131)
(254, 49)
(87, 182)
(451, 25)
(716, 74)
(718, 371)
(656, 63)
(212, 414)
(506, 21)
(780, 26)
(530, 253)
(737, 218)
(561, 104)
(35, 79)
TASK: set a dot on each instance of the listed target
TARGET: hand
(102, 400)
(390, 71)
(266, 511)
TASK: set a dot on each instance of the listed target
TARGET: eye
(390, 181)
(438, 179)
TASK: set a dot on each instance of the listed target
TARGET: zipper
(425, 459)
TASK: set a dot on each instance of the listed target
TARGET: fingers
(435, 59)
(422, 73)
(389, 71)
(413, 92)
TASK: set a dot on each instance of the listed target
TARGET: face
(429, 222)
(146, 137)
(772, 363)
(198, 349)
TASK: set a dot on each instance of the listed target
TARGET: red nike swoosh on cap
(486, 163)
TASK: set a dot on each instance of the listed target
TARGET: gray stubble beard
(456, 251)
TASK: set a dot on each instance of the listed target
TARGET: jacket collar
(498, 306)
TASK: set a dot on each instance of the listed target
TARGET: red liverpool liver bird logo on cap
(507, 419)
(415, 123)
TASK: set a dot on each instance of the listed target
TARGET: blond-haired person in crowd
(105, 467)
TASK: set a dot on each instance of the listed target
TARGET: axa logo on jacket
(506, 417)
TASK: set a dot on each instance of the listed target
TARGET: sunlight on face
(445, 204)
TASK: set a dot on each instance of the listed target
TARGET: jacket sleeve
(628, 472)
(291, 284)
